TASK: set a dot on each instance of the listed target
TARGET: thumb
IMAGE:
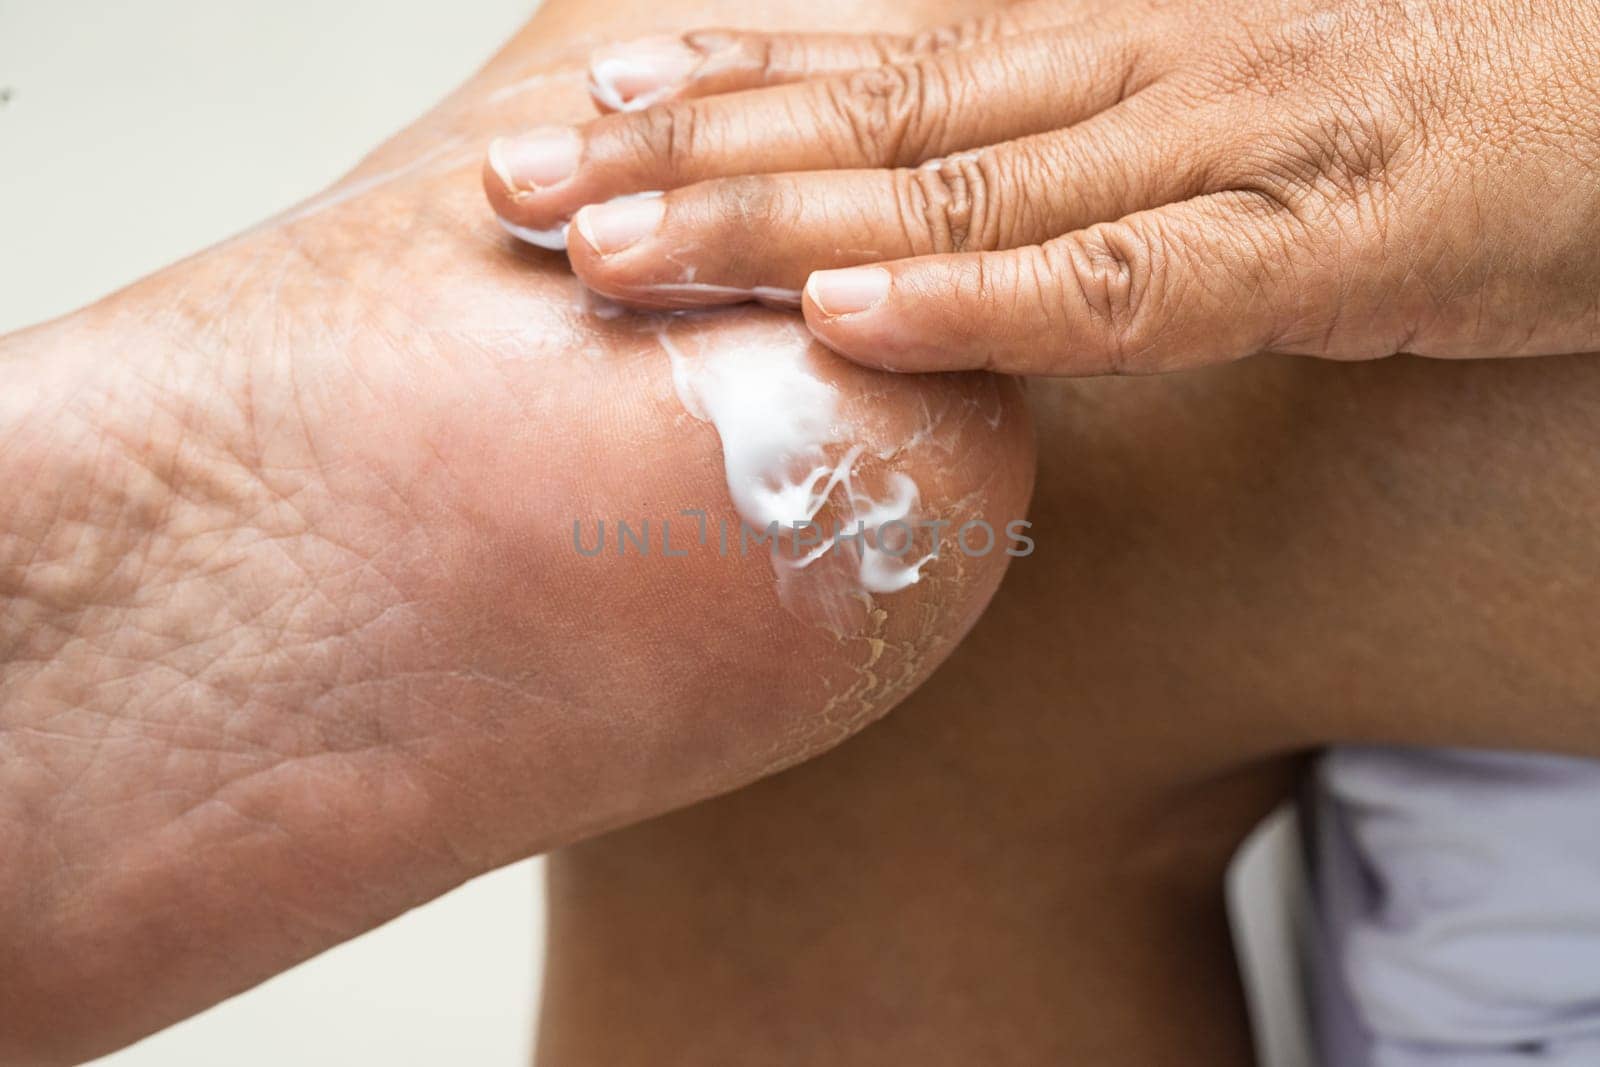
(1203, 281)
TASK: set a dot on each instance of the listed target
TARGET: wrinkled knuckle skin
(1332, 160)
(773, 59)
(948, 206)
(954, 37)
(666, 135)
(1359, 143)
(1331, 135)
(883, 111)
(1110, 278)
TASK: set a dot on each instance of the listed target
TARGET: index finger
(898, 115)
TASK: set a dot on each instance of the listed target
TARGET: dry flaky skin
(1024, 863)
(1021, 866)
(294, 634)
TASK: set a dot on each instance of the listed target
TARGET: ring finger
(728, 240)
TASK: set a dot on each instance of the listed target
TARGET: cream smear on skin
(608, 70)
(791, 457)
(555, 238)
(603, 76)
(789, 454)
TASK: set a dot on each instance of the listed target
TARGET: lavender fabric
(1457, 909)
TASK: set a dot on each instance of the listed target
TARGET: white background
(140, 132)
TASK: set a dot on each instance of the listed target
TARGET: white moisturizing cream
(793, 461)
(776, 296)
(603, 77)
(639, 74)
(553, 239)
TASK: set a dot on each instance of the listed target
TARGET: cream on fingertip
(637, 74)
(554, 239)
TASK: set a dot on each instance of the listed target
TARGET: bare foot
(296, 634)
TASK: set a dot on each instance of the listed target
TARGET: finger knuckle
(947, 205)
(1335, 154)
(669, 134)
(953, 37)
(751, 58)
(885, 111)
(771, 58)
(1327, 134)
(1110, 280)
(1358, 142)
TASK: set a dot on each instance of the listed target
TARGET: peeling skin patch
(867, 695)
(893, 671)
(875, 647)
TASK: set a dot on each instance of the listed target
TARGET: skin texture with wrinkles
(294, 634)
(1024, 864)
(1021, 865)
(1084, 187)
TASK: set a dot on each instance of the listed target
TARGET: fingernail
(636, 74)
(536, 159)
(848, 292)
(614, 226)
